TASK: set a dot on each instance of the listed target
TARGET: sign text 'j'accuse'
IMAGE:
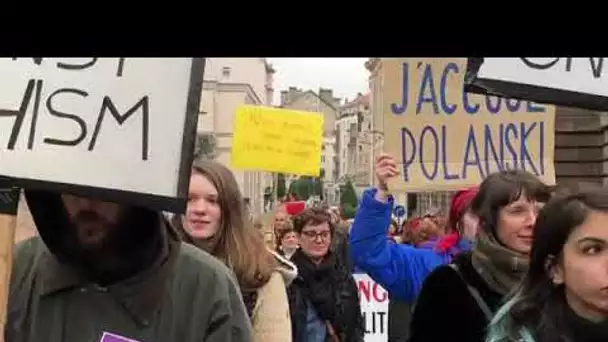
(487, 147)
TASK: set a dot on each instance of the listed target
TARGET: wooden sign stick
(9, 200)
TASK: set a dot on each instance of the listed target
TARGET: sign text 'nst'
(118, 128)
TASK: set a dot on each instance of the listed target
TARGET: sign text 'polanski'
(487, 147)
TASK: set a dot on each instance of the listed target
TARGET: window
(226, 71)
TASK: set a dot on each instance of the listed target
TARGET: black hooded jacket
(152, 288)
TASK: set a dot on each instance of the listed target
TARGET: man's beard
(93, 232)
(111, 251)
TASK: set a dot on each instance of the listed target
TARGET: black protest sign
(117, 129)
(573, 82)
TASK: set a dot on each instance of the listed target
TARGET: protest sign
(574, 82)
(445, 138)
(374, 308)
(277, 140)
(118, 129)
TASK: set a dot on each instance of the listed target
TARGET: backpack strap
(475, 294)
(333, 336)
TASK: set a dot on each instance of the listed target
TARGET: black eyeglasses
(311, 234)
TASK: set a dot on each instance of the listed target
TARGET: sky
(346, 76)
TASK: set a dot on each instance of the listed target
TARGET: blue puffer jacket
(400, 269)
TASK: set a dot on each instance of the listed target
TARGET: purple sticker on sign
(108, 337)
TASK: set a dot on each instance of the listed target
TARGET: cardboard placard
(277, 140)
(117, 129)
(445, 139)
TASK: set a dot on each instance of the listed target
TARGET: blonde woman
(216, 222)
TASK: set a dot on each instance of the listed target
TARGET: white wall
(250, 71)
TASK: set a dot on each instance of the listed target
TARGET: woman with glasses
(324, 301)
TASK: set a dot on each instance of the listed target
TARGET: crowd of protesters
(509, 260)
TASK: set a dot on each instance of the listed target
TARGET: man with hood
(101, 271)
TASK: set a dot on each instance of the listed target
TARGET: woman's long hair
(236, 242)
(539, 305)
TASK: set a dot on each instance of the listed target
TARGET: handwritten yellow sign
(277, 140)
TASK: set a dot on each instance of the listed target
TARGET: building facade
(229, 83)
(354, 143)
(581, 147)
(322, 102)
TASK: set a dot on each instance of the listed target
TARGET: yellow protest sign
(444, 138)
(277, 140)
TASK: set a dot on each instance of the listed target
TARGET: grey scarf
(501, 268)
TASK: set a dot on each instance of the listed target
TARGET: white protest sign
(577, 82)
(374, 308)
(115, 128)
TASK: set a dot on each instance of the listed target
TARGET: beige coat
(271, 319)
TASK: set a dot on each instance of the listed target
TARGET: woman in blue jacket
(398, 268)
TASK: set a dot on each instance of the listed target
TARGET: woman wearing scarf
(324, 300)
(563, 297)
(401, 268)
(461, 298)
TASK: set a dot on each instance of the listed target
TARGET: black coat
(399, 319)
(446, 311)
(346, 297)
(340, 247)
